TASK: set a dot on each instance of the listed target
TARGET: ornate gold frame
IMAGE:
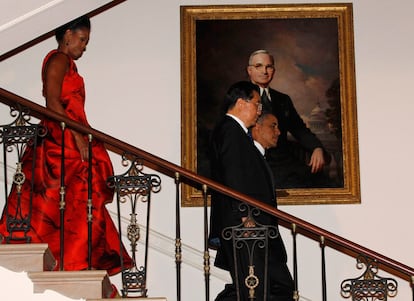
(190, 15)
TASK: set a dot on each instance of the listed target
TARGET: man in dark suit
(236, 163)
(290, 171)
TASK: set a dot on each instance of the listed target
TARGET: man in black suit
(289, 171)
(236, 163)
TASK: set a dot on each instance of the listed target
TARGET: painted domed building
(318, 124)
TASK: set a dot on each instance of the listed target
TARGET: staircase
(38, 261)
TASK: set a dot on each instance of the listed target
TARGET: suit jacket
(287, 161)
(237, 163)
(290, 121)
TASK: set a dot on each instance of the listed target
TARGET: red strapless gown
(45, 221)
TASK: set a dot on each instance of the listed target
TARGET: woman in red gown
(63, 89)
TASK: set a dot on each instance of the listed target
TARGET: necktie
(249, 134)
(266, 102)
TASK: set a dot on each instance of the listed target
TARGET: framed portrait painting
(313, 51)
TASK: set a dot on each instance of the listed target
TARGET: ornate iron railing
(18, 135)
(132, 187)
(369, 286)
(252, 238)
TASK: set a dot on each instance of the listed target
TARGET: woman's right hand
(82, 146)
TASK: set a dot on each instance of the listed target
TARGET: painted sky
(305, 51)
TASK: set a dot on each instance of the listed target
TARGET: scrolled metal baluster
(131, 187)
(248, 238)
(17, 136)
(369, 285)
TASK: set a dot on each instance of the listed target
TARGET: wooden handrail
(156, 163)
(51, 33)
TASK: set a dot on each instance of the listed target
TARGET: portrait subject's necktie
(266, 102)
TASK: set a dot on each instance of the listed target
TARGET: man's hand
(317, 160)
(248, 223)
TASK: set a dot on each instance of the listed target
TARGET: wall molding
(30, 14)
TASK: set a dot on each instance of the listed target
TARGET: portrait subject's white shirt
(265, 90)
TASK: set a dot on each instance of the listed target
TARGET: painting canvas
(313, 51)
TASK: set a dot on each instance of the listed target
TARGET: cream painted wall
(135, 50)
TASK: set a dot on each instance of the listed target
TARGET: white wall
(135, 50)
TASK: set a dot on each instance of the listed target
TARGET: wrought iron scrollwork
(21, 132)
(17, 136)
(252, 237)
(132, 187)
(135, 184)
(369, 286)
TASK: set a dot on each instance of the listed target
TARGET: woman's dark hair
(242, 89)
(81, 22)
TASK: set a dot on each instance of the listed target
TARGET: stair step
(26, 257)
(93, 284)
(132, 299)
(38, 261)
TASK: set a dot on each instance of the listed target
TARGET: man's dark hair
(243, 90)
(263, 116)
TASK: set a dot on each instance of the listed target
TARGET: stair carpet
(38, 262)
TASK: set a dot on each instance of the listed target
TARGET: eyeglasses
(267, 67)
(258, 105)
